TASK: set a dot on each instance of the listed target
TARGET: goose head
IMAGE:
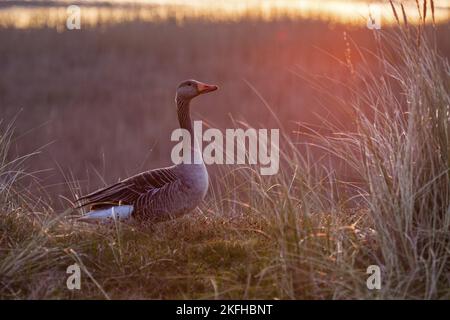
(190, 89)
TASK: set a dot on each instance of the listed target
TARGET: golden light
(343, 12)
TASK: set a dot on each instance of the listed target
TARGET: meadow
(364, 177)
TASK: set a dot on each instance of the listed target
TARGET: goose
(158, 194)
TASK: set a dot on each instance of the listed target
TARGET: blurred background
(99, 102)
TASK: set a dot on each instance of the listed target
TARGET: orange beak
(204, 88)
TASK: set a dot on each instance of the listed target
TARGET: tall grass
(405, 152)
(400, 155)
(403, 155)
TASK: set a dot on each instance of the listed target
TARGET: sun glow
(109, 12)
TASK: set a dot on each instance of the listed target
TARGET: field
(364, 177)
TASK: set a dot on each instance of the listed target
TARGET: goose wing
(129, 190)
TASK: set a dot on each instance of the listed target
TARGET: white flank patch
(119, 213)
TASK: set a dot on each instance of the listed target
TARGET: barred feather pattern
(155, 195)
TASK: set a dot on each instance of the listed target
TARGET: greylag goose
(159, 194)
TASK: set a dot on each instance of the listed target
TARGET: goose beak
(204, 88)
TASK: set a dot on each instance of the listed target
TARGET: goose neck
(184, 115)
(184, 118)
